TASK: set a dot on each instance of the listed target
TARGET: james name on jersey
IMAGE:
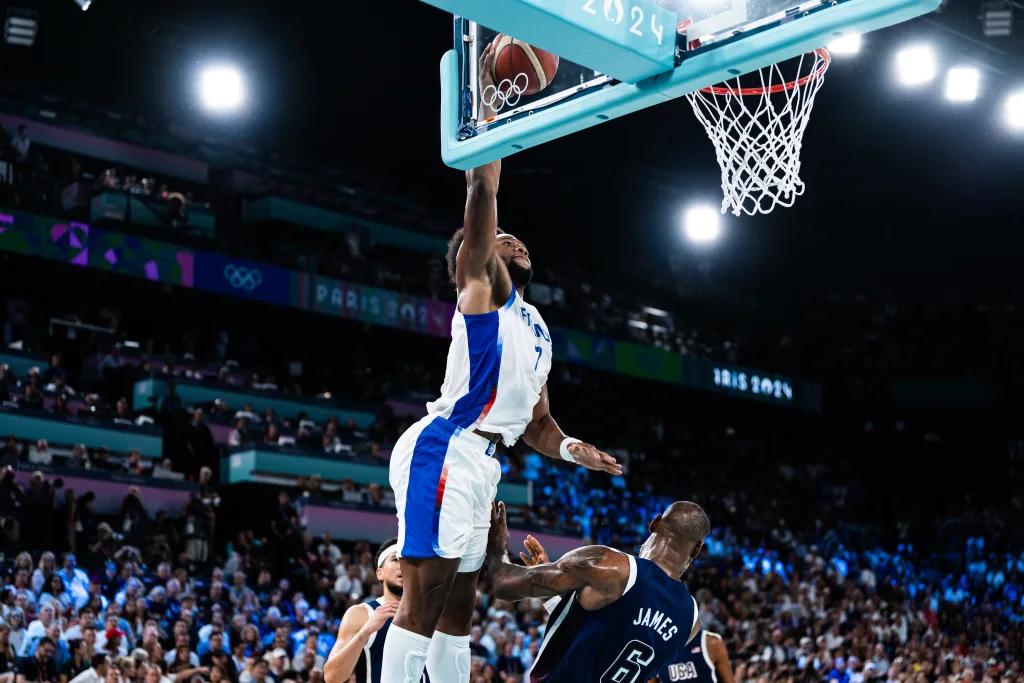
(654, 619)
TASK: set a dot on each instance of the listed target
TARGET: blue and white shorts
(445, 479)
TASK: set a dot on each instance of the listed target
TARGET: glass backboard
(713, 40)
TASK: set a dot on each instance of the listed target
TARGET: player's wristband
(563, 450)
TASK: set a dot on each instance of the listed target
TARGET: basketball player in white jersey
(443, 469)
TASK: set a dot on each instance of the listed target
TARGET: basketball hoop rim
(823, 54)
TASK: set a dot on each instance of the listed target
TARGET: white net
(758, 131)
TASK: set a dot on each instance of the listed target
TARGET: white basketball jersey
(497, 364)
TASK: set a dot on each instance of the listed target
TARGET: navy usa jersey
(693, 665)
(369, 663)
(628, 641)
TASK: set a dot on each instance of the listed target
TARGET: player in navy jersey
(705, 660)
(619, 618)
(360, 645)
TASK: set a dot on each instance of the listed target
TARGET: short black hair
(98, 659)
(45, 640)
(453, 250)
(687, 520)
(381, 548)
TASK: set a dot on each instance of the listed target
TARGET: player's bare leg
(428, 585)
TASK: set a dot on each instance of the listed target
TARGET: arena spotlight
(702, 224)
(84, 4)
(1013, 111)
(221, 89)
(916, 65)
(846, 45)
(962, 84)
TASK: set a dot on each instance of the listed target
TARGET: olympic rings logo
(242, 278)
(505, 94)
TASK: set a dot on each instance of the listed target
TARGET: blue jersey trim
(484, 365)
(423, 498)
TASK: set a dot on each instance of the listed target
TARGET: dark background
(908, 196)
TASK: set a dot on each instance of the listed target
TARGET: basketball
(515, 59)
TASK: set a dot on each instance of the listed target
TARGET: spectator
(16, 624)
(122, 414)
(181, 658)
(97, 671)
(219, 657)
(200, 443)
(40, 667)
(239, 435)
(133, 464)
(78, 661)
(259, 672)
(8, 657)
(278, 659)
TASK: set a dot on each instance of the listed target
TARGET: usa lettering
(682, 672)
(657, 621)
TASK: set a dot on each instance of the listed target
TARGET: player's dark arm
(545, 436)
(480, 223)
(720, 659)
(599, 570)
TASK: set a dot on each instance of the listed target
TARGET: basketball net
(758, 131)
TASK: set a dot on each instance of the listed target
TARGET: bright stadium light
(917, 65)
(846, 45)
(703, 224)
(221, 89)
(1013, 111)
(962, 84)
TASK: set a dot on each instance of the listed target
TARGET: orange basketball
(529, 68)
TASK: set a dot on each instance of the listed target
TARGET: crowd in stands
(171, 596)
(803, 583)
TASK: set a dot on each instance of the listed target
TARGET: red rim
(826, 60)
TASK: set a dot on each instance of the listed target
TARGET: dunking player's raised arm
(480, 278)
(480, 224)
(599, 573)
(545, 436)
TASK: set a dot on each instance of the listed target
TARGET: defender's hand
(595, 459)
(497, 537)
(537, 553)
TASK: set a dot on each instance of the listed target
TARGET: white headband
(499, 236)
(388, 552)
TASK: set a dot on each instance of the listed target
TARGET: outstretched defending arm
(598, 572)
(545, 436)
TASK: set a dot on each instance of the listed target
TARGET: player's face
(390, 574)
(517, 258)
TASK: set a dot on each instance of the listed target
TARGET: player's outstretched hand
(594, 458)
(537, 553)
(497, 537)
